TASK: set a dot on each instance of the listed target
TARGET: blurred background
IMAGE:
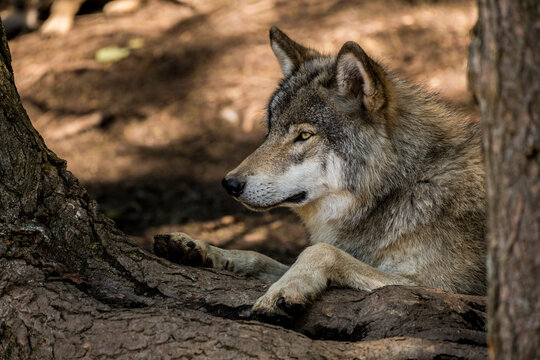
(152, 103)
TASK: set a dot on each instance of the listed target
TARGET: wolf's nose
(233, 186)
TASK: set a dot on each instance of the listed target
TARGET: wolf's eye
(303, 136)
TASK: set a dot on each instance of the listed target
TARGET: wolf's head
(328, 130)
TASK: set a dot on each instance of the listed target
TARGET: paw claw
(179, 248)
(277, 306)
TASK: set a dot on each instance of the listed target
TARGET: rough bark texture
(72, 287)
(504, 70)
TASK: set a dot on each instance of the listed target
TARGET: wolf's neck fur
(420, 186)
(327, 218)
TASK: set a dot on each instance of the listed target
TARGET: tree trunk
(71, 286)
(504, 69)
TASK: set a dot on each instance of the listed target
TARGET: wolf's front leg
(182, 249)
(316, 268)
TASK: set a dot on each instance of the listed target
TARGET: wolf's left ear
(289, 53)
(358, 76)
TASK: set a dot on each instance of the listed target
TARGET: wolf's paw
(181, 249)
(282, 300)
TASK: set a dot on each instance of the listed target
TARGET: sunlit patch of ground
(152, 135)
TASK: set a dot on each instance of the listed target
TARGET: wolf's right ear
(289, 53)
(359, 77)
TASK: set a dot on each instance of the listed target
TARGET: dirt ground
(152, 135)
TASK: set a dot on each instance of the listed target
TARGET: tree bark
(504, 69)
(71, 285)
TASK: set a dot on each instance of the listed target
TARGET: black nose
(234, 187)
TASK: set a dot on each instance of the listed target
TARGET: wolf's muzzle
(234, 187)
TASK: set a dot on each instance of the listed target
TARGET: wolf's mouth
(295, 199)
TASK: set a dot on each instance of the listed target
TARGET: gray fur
(393, 179)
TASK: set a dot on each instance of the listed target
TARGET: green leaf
(111, 54)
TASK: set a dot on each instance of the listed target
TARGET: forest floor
(152, 135)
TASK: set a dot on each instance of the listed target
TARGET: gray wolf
(387, 180)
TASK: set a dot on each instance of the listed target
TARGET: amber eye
(303, 136)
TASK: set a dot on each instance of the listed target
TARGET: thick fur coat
(388, 181)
